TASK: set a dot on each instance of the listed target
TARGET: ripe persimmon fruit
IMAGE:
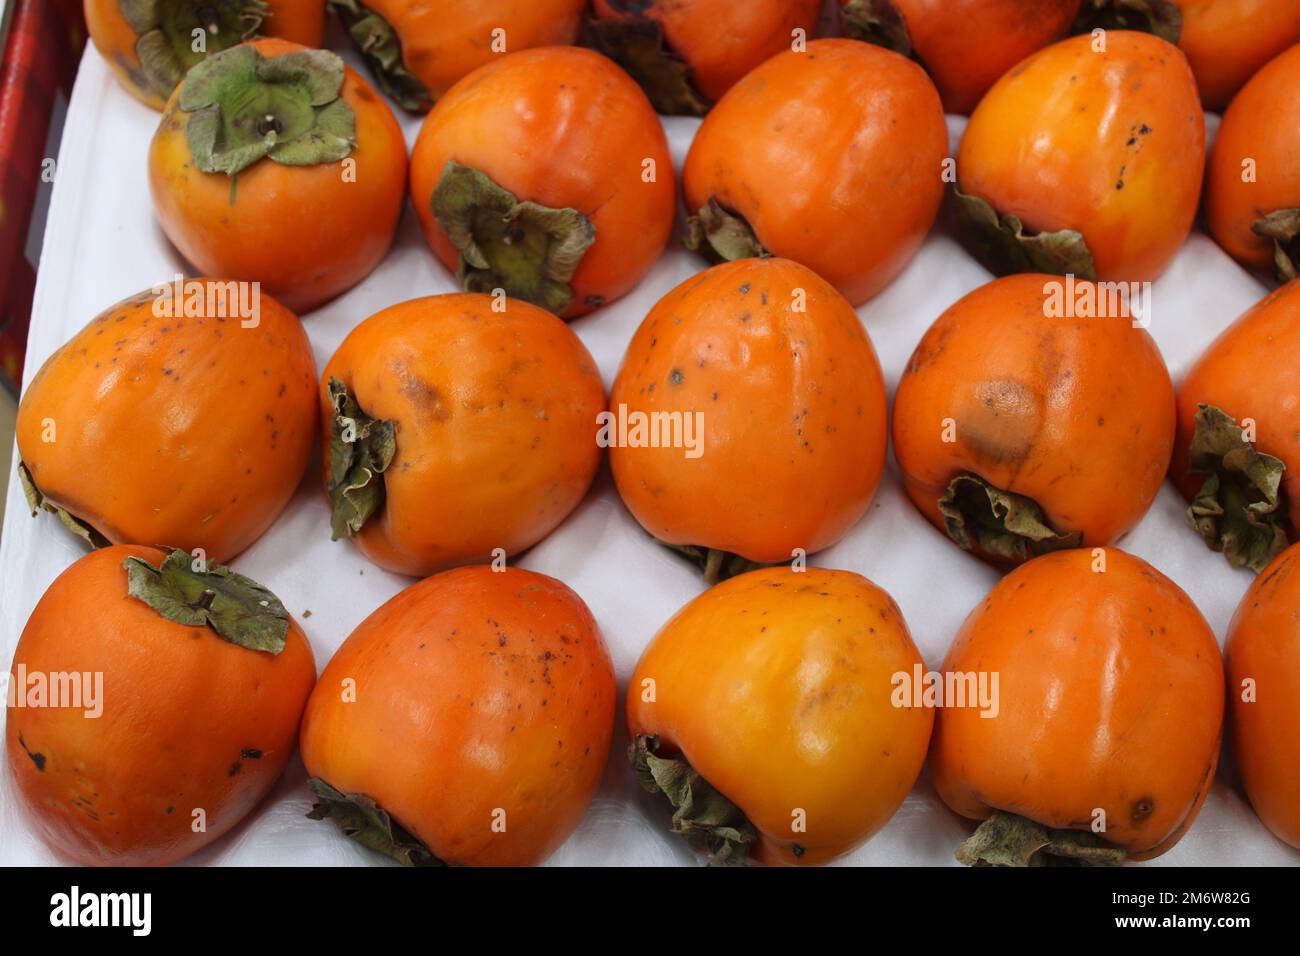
(198, 677)
(965, 45)
(467, 721)
(1034, 415)
(686, 55)
(1085, 159)
(765, 713)
(1237, 454)
(180, 415)
(1263, 661)
(779, 405)
(1252, 182)
(417, 50)
(456, 425)
(1227, 41)
(545, 173)
(278, 164)
(1108, 719)
(831, 156)
(150, 44)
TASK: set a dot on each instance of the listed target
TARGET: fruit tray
(102, 244)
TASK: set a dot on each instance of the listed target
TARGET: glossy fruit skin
(719, 40)
(1259, 125)
(854, 209)
(299, 21)
(307, 233)
(496, 418)
(471, 662)
(184, 710)
(1227, 41)
(1110, 697)
(190, 432)
(566, 128)
(1108, 144)
(792, 406)
(445, 42)
(1076, 413)
(744, 677)
(966, 45)
(1263, 646)
(1249, 372)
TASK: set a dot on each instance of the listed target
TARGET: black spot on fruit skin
(1143, 807)
(234, 768)
(37, 758)
(251, 753)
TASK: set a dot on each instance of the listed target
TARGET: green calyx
(715, 564)
(245, 107)
(361, 449)
(708, 821)
(1161, 17)
(637, 44)
(379, 44)
(362, 819)
(37, 502)
(878, 22)
(722, 236)
(1005, 839)
(237, 608)
(529, 250)
(1238, 509)
(1001, 243)
(174, 35)
(1282, 226)
(999, 524)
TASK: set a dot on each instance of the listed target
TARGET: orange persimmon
(772, 701)
(183, 415)
(1252, 182)
(776, 391)
(149, 696)
(417, 50)
(455, 425)
(278, 164)
(1237, 455)
(965, 45)
(831, 157)
(467, 721)
(150, 44)
(687, 53)
(1085, 159)
(546, 173)
(1108, 720)
(1227, 41)
(1034, 415)
(1263, 661)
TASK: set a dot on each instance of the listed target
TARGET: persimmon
(687, 53)
(965, 45)
(1263, 663)
(1227, 41)
(417, 50)
(1034, 415)
(150, 44)
(152, 693)
(467, 721)
(1252, 181)
(766, 713)
(545, 173)
(185, 414)
(831, 157)
(456, 425)
(278, 164)
(750, 416)
(1085, 159)
(1237, 454)
(1108, 720)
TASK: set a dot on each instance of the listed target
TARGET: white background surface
(102, 245)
